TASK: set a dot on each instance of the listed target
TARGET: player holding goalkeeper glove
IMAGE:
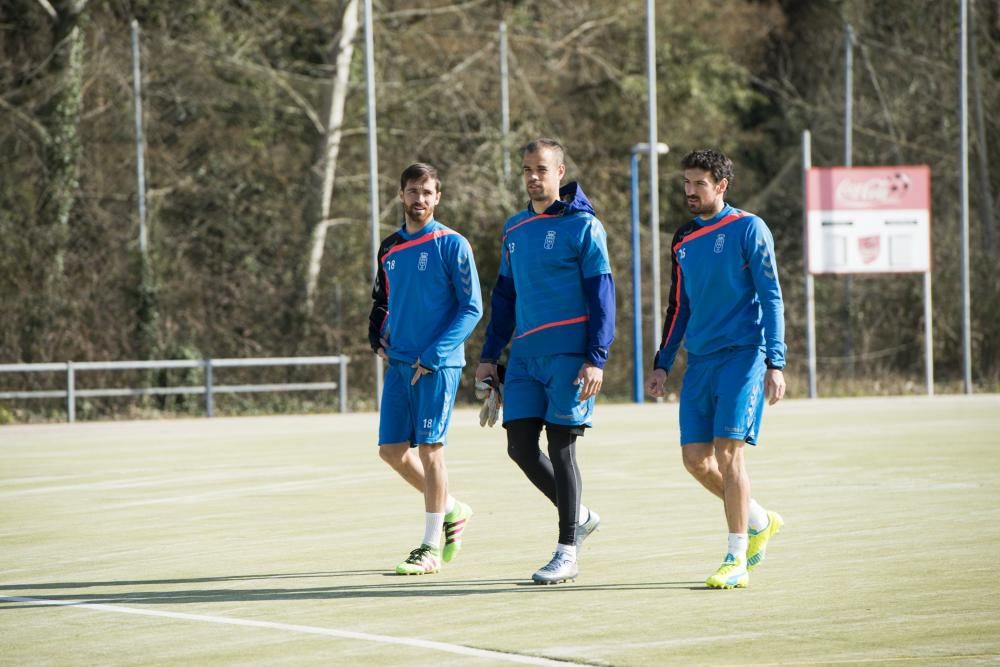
(555, 298)
(427, 302)
(490, 390)
(725, 302)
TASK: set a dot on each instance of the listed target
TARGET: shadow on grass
(395, 586)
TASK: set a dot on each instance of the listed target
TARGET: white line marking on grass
(304, 629)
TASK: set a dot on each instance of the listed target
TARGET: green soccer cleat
(731, 574)
(583, 530)
(758, 541)
(454, 525)
(425, 559)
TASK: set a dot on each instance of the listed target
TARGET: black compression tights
(557, 476)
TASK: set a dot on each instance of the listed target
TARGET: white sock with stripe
(433, 523)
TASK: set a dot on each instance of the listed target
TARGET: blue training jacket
(427, 297)
(724, 289)
(554, 293)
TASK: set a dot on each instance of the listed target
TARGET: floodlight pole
(964, 149)
(373, 197)
(654, 176)
(504, 103)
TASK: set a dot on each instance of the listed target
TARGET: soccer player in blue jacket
(554, 301)
(725, 303)
(427, 302)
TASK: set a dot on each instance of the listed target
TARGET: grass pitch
(272, 540)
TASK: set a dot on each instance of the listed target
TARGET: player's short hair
(419, 172)
(544, 142)
(712, 161)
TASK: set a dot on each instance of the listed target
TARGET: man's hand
(419, 371)
(381, 351)
(590, 378)
(656, 385)
(774, 385)
(487, 370)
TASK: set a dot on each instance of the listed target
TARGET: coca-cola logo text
(878, 189)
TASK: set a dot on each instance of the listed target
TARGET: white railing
(209, 389)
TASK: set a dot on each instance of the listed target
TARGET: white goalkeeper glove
(491, 391)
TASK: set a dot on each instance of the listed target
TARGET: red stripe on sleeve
(677, 300)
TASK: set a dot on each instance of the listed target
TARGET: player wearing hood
(554, 302)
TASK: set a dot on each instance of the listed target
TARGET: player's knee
(392, 454)
(522, 438)
(695, 463)
(431, 455)
(728, 452)
(561, 436)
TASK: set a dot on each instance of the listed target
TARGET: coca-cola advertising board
(868, 219)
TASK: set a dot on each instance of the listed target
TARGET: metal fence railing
(208, 388)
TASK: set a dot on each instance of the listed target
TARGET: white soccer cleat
(558, 570)
(583, 530)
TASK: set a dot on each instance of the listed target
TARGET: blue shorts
(420, 413)
(545, 388)
(723, 396)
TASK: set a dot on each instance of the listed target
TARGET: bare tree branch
(39, 129)
(49, 9)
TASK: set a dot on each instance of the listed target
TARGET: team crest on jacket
(422, 262)
(720, 241)
(550, 239)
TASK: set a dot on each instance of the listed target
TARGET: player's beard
(698, 206)
(419, 218)
(694, 205)
(539, 194)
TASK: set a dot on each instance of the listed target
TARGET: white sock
(433, 522)
(738, 545)
(449, 504)
(583, 516)
(758, 517)
(568, 551)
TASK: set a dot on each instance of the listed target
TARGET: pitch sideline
(304, 629)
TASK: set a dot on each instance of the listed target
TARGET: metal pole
(848, 161)
(654, 177)
(504, 102)
(964, 121)
(928, 336)
(140, 167)
(848, 95)
(70, 392)
(373, 197)
(636, 286)
(810, 288)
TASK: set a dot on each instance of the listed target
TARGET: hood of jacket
(571, 200)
